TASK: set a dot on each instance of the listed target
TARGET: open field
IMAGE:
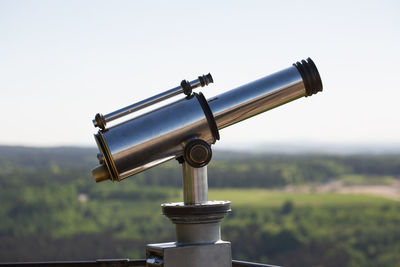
(275, 198)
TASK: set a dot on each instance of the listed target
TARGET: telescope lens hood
(309, 73)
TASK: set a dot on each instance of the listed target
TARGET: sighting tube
(301, 79)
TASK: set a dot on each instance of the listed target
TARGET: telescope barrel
(266, 93)
(152, 138)
(164, 133)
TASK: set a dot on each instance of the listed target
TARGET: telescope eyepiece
(206, 79)
(201, 81)
(310, 75)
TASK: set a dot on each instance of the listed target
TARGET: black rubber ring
(186, 87)
(209, 115)
(310, 75)
(317, 78)
(196, 209)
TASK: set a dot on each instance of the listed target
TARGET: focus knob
(197, 153)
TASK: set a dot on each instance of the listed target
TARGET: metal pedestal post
(198, 231)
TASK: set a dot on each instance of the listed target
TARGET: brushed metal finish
(256, 97)
(153, 138)
(195, 184)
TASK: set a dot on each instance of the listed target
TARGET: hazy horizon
(272, 148)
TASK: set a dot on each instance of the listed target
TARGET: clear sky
(61, 62)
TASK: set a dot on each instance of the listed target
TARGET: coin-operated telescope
(185, 130)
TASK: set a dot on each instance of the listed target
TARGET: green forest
(51, 208)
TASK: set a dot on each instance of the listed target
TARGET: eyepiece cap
(309, 73)
(206, 79)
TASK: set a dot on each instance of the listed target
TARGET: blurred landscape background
(302, 209)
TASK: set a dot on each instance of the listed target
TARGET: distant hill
(41, 157)
(227, 169)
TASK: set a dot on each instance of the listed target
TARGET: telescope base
(198, 237)
(171, 254)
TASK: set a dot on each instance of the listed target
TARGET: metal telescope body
(185, 130)
(162, 134)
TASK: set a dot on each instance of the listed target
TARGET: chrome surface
(201, 81)
(146, 102)
(152, 138)
(195, 185)
(161, 135)
(256, 97)
(195, 83)
(201, 233)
